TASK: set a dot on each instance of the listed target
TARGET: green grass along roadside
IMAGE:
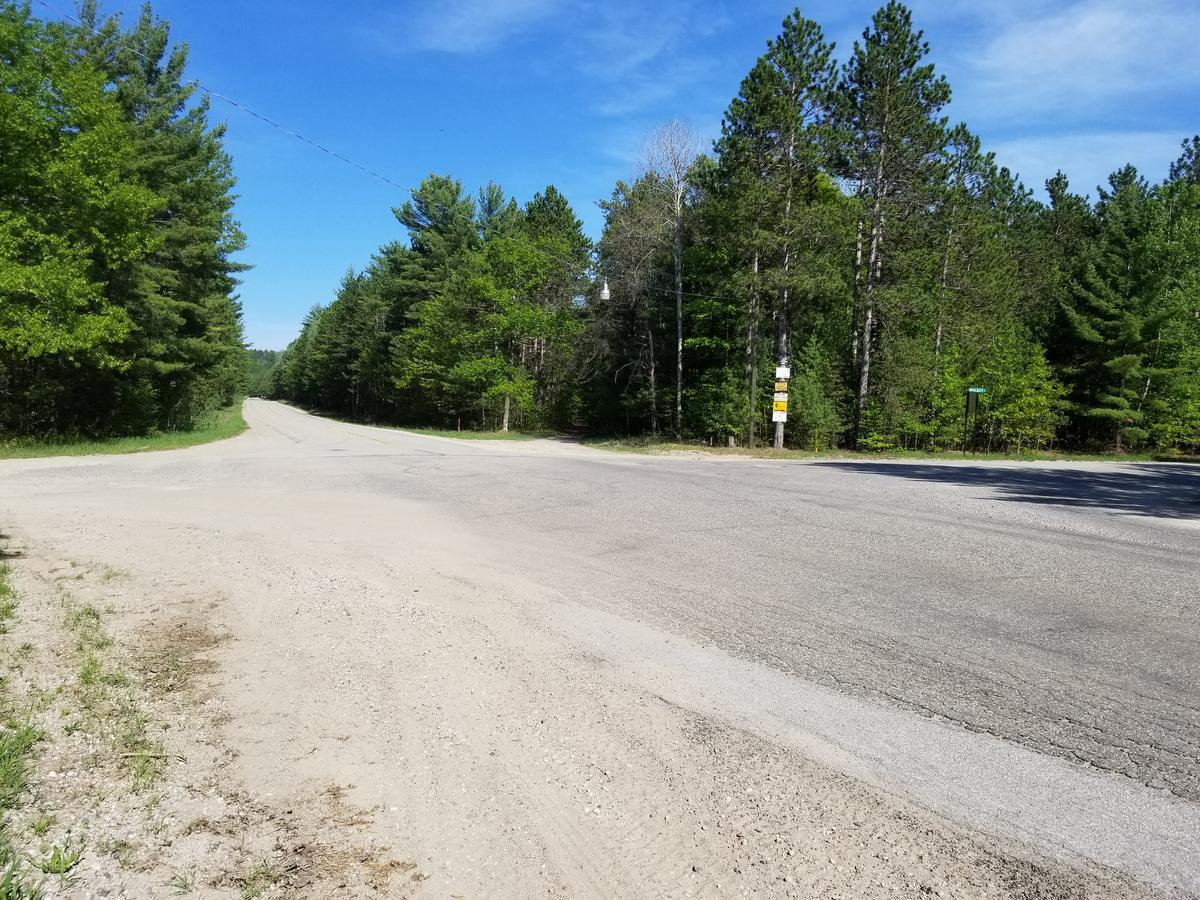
(464, 435)
(222, 424)
(657, 446)
(648, 446)
(480, 435)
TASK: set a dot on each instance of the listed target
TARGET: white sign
(783, 372)
(778, 416)
(781, 396)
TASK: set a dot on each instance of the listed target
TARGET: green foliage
(1022, 407)
(813, 422)
(260, 371)
(475, 320)
(116, 313)
(61, 860)
(841, 223)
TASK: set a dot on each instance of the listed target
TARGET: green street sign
(976, 390)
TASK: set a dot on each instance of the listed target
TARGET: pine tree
(1113, 318)
(894, 137)
(186, 344)
(1187, 167)
(773, 150)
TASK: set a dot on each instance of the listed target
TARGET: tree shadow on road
(1163, 490)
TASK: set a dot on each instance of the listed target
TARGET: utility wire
(321, 147)
(235, 104)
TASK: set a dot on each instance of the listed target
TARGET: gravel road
(553, 670)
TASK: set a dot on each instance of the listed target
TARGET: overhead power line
(235, 104)
(211, 92)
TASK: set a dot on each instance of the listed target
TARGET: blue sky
(532, 92)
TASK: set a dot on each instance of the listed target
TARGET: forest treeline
(840, 223)
(117, 313)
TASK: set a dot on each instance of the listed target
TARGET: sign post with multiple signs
(779, 406)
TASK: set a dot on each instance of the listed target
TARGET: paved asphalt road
(1049, 614)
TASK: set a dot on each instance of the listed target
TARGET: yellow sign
(780, 406)
(781, 385)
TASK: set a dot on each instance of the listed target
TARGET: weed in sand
(144, 757)
(110, 573)
(90, 670)
(183, 882)
(8, 598)
(255, 883)
(61, 861)
(109, 694)
(121, 850)
(16, 742)
(41, 824)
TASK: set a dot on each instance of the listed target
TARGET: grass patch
(653, 447)
(479, 435)
(41, 825)
(61, 860)
(109, 700)
(17, 740)
(8, 598)
(263, 876)
(183, 882)
(222, 424)
(466, 434)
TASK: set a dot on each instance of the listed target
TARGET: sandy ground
(539, 670)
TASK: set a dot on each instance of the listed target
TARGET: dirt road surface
(546, 670)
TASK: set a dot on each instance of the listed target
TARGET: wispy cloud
(631, 55)
(640, 55)
(1075, 60)
(462, 26)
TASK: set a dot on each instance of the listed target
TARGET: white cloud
(462, 26)
(1088, 158)
(1090, 55)
(631, 55)
(640, 55)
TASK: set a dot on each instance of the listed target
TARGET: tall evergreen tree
(1113, 318)
(773, 148)
(894, 137)
(186, 343)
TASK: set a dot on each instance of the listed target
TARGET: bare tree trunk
(653, 383)
(679, 322)
(868, 328)
(507, 404)
(669, 153)
(937, 337)
(857, 296)
(1153, 361)
(751, 350)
